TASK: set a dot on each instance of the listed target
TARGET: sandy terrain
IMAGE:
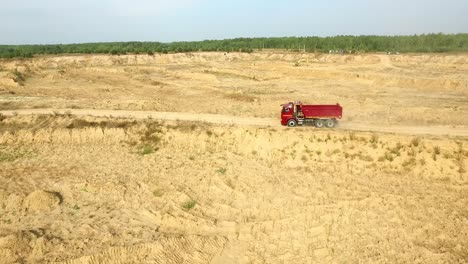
(181, 159)
(373, 89)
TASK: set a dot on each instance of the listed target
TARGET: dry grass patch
(386, 157)
(241, 97)
(78, 123)
(9, 154)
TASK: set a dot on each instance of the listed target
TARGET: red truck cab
(297, 113)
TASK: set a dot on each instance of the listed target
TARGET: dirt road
(236, 120)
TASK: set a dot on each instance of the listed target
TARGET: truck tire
(319, 123)
(330, 123)
(292, 123)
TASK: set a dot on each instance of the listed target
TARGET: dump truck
(299, 114)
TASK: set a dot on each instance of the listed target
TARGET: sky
(79, 21)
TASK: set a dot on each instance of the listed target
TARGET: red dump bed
(322, 111)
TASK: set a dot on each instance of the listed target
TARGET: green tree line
(416, 43)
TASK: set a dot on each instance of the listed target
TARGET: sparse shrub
(185, 126)
(411, 152)
(362, 157)
(158, 193)
(304, 158)
(396, 149)
(352, 136)
(209, 133)
(151, 139)
(19, 77)
(189, 205)
(254, 152)
(409, 162)
(399, 145)
(374, 139)
(2, 117)
(436, 150)
(318, 152)
(157, 83)
(461, 170)
(416, 141)
(146, 149)
(74, 107)
(230, 183)
(387, 156)
(459, 156)
(422, 161)
(221, 171)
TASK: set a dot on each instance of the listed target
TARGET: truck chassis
(319, 123)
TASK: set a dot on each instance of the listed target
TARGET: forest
(426, 43)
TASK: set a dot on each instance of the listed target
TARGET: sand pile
(41, 201)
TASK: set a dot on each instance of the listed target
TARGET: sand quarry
(180, 158)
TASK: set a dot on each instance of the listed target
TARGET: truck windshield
(286, 109)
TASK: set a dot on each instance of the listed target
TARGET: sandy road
(236, 120)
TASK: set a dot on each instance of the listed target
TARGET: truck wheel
(330, 123)
(319, 123)
(292, 123)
